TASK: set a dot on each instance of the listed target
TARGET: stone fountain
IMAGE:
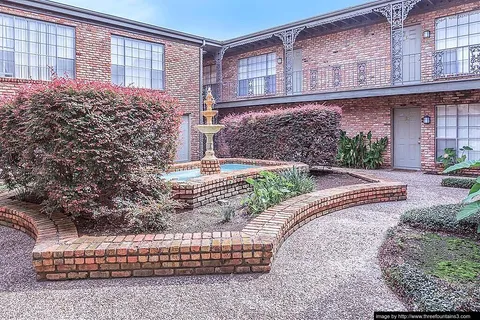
(209, 163)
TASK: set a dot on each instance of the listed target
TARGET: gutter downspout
(200, 104)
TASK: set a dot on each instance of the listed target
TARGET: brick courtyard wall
(376, 114)
(93, 62)
(59, 254)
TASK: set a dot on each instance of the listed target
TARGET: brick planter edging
(59, 254)
(211, 188)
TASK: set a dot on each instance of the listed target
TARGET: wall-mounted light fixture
(279, 60)
(426, 34)
(426, 119)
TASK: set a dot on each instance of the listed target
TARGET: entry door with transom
(411, 54)
(406, 138)
(183, 151)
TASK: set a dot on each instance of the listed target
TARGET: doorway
(406, 138)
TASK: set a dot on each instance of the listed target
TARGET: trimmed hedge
(441, 218)
(82, 147)
(307, 134)
(463, 183)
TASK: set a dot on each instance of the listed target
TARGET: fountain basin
(210, 128)
(186, 175)
(203, 189)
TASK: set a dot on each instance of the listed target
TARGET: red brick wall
(366, 43)
(182, 62)
(427, 22)
(375, 114)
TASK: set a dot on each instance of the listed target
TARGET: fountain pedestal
(209, 163)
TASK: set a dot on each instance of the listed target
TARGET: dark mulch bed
(211, 217)
(334, 180)
(432, 262)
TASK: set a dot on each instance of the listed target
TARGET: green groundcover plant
(472, 201)
(82, 147)
(462, 183)
(271, 188)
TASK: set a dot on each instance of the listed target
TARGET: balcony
(458, 63)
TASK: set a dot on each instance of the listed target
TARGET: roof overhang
(350, 18)
(96, 18)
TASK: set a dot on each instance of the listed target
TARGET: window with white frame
(209, 75)
(137, 63)
(31, 49)
(257, 75)
(454, 37)
(458, 126)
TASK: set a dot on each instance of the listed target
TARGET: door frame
(189, 143)
(301, 70)
(392, 134)
(418, 26)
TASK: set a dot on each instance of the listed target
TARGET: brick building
(409, 70)
(39, 36)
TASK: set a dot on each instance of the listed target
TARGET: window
(454, 36)
(138, 63)
(31, 49)
(459, 126)
(256, 75)
(210, 74)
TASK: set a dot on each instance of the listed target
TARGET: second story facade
(381, 44)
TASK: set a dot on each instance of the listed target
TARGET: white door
(297, 71)
(406, 138)
(183, 151)
(411, 54)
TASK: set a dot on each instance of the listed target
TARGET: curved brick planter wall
(207, 189)
(59, 253)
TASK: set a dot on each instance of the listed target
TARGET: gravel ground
(326, 270)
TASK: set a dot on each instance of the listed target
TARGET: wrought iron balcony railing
(460, 61)
(362, 74)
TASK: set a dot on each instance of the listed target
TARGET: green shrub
(463, 183)
(83, 147)
(440, 218)
(449, 157)
(271, 189)
(360, 151)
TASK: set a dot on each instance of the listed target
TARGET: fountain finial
(209, 99)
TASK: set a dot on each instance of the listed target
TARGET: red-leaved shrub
(82, 147)
(307, 134)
